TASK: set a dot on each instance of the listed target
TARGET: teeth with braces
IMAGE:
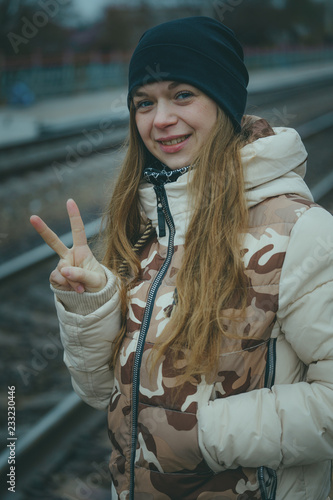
(174, 141)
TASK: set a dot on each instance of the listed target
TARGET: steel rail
(316, 126)
(50, 438)
(42, 252)
(55, 131)
(58, 152)
(309, 130)
(54, 417)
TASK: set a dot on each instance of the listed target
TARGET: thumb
(90, 281)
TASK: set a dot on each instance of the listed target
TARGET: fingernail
(80, 289)
(65, 271)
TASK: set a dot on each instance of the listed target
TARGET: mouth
(173, 141)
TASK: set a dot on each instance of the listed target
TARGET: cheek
(139, 126)
(208, 116)
(206, 126)
(211, 115)
(144, 128)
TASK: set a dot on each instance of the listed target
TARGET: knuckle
(53, 274)
(62, 263)
(77, 274)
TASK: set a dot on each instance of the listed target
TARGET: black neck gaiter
(159, 174)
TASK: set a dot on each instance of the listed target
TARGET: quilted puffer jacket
(263, 429)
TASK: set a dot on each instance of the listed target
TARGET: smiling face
(174, 121)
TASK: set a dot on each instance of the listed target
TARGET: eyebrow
(140, 93)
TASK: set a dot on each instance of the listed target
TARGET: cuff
(86, 303)
(240, 430)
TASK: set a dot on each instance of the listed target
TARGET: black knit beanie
(196, 50)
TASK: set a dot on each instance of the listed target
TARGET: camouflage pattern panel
(241, 371)
(119, 429)
(169, 463)
(265, 246)
(236, 484)
(243, 359)
(168, 456)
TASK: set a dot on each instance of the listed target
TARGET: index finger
(78, 231)
(49, 236)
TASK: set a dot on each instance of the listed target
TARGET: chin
(174, 165)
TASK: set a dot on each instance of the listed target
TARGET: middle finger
(78, 231)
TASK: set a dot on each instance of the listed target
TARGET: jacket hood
(273, 165)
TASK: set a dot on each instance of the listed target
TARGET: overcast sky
(92, 8)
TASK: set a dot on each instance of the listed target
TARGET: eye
(184, 94)
(142, 104)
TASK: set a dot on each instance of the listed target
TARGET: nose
(164, 116)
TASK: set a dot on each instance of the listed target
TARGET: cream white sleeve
(86, 303)
(290, 424)
(88, 341)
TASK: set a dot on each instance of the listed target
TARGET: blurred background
(63, 47)
(63, 120)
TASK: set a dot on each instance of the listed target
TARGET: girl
(207, 331)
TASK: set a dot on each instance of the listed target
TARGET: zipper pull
(160, 213)
(161, 221)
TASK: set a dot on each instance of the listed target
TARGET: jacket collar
(159, 174)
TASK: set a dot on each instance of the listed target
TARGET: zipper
(162, 203)
(160, 213)
(270, 365)
(268, 485)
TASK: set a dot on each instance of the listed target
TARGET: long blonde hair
(212, 272)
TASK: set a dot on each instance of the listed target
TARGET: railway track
(34, 156)
(58, 144)
(54, 428)
(35, 180)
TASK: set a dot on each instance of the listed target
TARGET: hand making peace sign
(77, 269)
